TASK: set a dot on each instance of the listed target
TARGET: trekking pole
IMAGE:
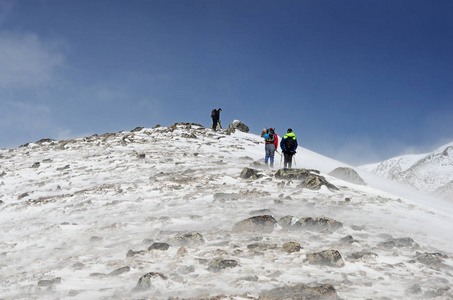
(294, 158)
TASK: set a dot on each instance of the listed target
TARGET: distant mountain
(429, 172)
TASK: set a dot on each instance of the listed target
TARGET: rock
(301, 292)
(398, 243)
(96, 239)
(159, 246)
(187, 239)
(317, 224)
(291, 247)
(222, 197)
(361, 254)
(136, 129)
(331, 258)
(50, 282)
(182, 251)
(414, 289)
(145, 282)
(315, 182)
(264, 223)
(293, 173)
(36, 165)
(218, 264)
(260, 212)
(347, 174)
(430, 259)
(239, 126)
(286, 221)
(261, 246)
(250, 173)
(21, 196)
(120, 271)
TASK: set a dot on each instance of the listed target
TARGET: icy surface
(71, 211)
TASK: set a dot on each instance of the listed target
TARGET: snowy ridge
(80, 219)
(429, 172)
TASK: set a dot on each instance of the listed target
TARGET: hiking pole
(294, 158)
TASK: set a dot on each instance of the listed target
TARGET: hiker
(215, 115)
(271, 144)
(289, 146)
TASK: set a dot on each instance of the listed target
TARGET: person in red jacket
(271, 140)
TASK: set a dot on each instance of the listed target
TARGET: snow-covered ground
(72, 211)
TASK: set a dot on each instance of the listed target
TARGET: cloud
(27, 61)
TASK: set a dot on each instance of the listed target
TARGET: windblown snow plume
(186, 212)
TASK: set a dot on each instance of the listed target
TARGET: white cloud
(27, 61)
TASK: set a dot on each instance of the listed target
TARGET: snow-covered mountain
(164, 212)
(429, 172)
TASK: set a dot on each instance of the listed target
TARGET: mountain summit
(429, 172)
(171, 212)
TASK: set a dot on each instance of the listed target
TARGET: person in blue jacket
(289, 146)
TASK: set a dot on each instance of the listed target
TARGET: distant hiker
(289, 146)
(271, 144)
(215, 115)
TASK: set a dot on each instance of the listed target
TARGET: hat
(289, 130)
(220, 109)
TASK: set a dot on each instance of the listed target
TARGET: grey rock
(218, 264)
(222, 197)
(264, 223)
(347, 174)
(430, 259)
(399, 243)
(286, 221)
(315, 182)
(291, 247)
(159, 246)
(317, 224)
(300, 174)
(50, 282)
(145, 282)
(330, 258)
(120, 271)
(239, 126)
(301, 292)
(362, 254)
(187, 239)
(248, 173)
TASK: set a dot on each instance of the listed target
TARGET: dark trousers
(288, 156)
(214, 123)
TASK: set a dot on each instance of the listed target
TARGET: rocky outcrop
(263, 223)
(331, 258)
(310, 178)
(218, 264)
(239, 126)
(347, 174)
(301, 291)
(145, 282)
(317, 224)
(315, 182)
(299, 174)
(248, 173)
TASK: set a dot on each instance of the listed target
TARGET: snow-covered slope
(429, 172)
(79, 220)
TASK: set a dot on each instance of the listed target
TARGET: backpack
(213, 113)
(271, 137)
(290, 143)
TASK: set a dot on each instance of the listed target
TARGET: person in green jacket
(289, 146)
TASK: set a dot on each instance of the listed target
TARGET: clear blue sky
(359, 81)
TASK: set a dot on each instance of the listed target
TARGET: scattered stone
(141, 155)
(315, 182)
(187, 239)
(44, 283)
(291, 247)
(264, 223)
(414, 290)
(286, 221)
(251, 278)
(145, 282)
(136, 129)
(21, 196)
(347, 240)
(218, 264)
(347, 174)
(239, 126)
(159, 246)
(96, 239)
(362, 254)
(182, 251)
(119, 271)
(63, 168)
(261, 246)
(36, 165)
(331, 258)
(223, 197)
(398, 243)
(300, 292)
(293, 173)
(430, 259)
(250, 173)
(317, 224)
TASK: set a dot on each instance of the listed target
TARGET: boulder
(404, 242)
(331, 258)
(145, 282)
(239, 126)
(293, 173)
(218, 264)
(317, 224)
(159, 246)
(250, 173)
(315, 182)
(347, 174)
(301, 291)
(264, 223)
(291, 247)
(187, 239)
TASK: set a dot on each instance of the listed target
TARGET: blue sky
(359, 81)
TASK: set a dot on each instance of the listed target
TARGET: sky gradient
(359, 81)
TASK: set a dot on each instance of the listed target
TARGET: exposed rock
(218, 264)
(145, 282)
(120, 271)
(317, 224)
(261, 246)
(286, 221)
(264, 223)
(21, 196)
(250, 173)
(362, 254)
(430, 259)
(293, 173)
(187, 239)
(291, 247)
(315, 182)
(301, 292)
(36, 165)
(347, 174)
(136, 129)
(239, 126)
(331, 258)
(222, 197)
(42, 141)
(399, 243)
(159, 246)
(182, 251)
(49, 282)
